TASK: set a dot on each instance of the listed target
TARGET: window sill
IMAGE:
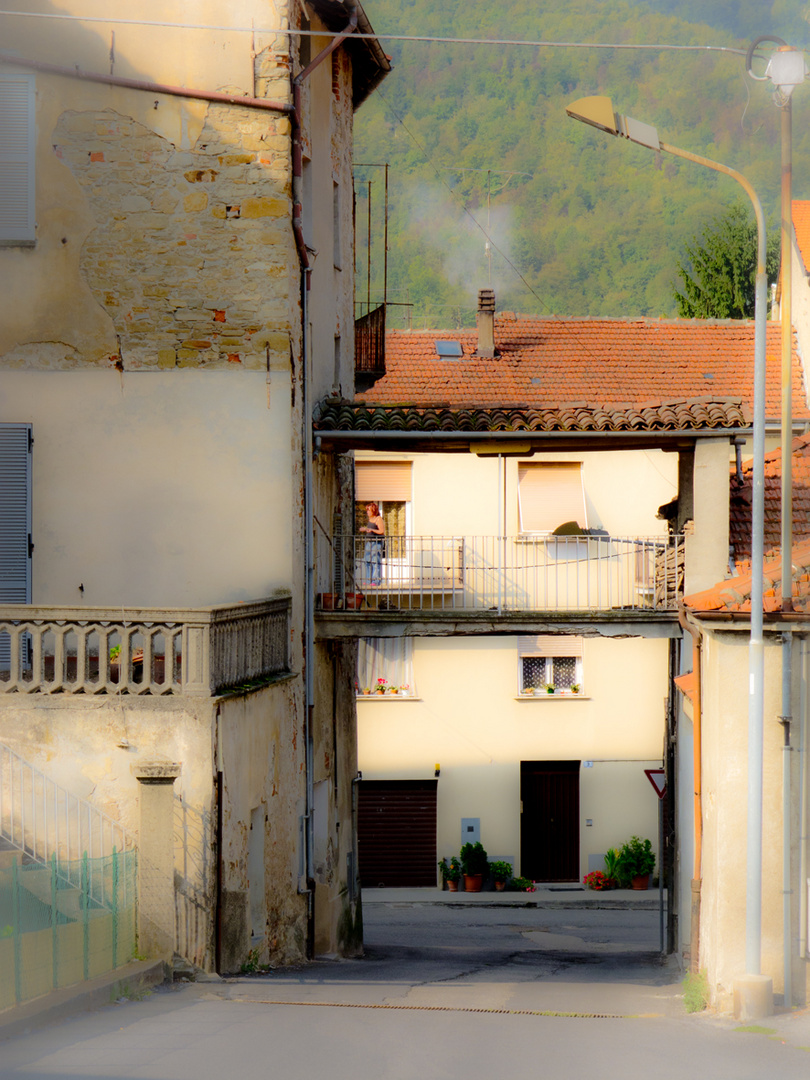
(552, 697)
(387, 697)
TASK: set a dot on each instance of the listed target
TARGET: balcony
(369, 349)
(142, 651)
(525, 573)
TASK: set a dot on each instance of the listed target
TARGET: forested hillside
(591, 225)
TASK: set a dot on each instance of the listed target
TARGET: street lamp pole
(599, 113)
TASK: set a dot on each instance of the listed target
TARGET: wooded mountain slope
(591, 225)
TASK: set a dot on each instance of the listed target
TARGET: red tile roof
(610, 363)
(740, 502)
(801, 226)
(734, 595)
(693, 415)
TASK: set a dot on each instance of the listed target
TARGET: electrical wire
(500, 42)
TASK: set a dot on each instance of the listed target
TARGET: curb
(132, 980)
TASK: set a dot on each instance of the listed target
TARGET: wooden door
(549, 824)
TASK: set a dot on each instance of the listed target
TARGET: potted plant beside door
(474, 866)
(636, 862)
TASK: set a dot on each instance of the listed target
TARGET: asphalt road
(442, 992)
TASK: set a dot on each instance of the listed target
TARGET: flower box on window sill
(541, 695)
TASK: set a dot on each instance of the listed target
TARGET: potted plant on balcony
(381, 685)
(548, 687)
(636, 862)
(451, 873)
(500, 871)
(474, 866)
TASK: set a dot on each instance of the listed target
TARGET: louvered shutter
(549, 645)
(17, 150)
(15, 513)
(550, 495)
(384, 480)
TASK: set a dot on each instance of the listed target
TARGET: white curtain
(385, 658)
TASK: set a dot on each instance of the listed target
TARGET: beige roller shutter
(550, 495)
(550, 645)
(383, 480)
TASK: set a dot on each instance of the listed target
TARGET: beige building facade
(166, 323)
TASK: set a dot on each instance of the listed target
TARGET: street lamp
(599, 113)
(786, 70)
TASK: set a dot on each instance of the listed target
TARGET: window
(385, 667)
(550, 664)
(17, 148)
(550, 495)
(15, 522)
(387, 483)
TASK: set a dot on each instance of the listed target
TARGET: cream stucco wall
(156, 489)
(725, 748)
(466, 717)
(458, 494)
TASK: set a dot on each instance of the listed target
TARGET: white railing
(141, 651)
(43, 820)
(502, 573)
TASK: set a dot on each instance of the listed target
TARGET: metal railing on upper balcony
(142, 650)
(501, 573)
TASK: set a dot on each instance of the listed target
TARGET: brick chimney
(486, 323)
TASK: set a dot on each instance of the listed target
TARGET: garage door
(397, 833)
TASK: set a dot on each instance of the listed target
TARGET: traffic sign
(658, 779)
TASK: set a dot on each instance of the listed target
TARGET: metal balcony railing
(501, 573)
(141, 650)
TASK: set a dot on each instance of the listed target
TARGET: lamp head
(599, 113)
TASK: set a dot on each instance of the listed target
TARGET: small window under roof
(449, 350)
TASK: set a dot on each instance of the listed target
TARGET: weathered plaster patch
(166, 259)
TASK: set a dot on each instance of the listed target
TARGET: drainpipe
(785, 720)
(309, 517)
(803, 809)
(149, 87)
(694, 930)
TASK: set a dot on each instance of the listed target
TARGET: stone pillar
(156, 921)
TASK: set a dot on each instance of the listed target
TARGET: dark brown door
(396, 833)
(549, 824)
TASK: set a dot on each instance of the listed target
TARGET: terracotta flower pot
(500, 886)
(473, 882)
(452, 886)
(641, 882)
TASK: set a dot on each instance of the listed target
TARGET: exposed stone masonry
(191, 253)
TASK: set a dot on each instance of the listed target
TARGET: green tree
(718, 280)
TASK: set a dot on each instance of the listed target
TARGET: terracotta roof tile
(669, 416)
(741, 493)
(612, 364)
(735, 594)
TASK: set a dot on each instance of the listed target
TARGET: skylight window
(449, 350)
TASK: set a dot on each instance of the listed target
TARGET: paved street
(444, 991)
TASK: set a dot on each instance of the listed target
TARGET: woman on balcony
(373, 550)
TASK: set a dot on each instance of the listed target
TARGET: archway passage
(549, 824)
(396, 833)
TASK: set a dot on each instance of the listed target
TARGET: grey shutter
(15, 513)
(17, 151)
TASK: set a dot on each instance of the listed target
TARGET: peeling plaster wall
(76, 743)
(261, 754)
(162, 302)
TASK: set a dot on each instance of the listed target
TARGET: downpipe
(694, 927)
(309, 516)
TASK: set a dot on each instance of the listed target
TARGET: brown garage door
(396, 831)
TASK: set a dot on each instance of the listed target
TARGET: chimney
(486, 323)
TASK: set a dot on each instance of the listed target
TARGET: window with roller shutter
(17, 151)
